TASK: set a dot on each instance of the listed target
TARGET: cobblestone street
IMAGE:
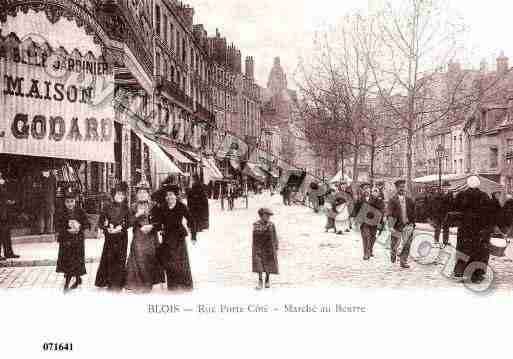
(308, 257)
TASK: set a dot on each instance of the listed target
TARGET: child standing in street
(265, 247)
(70, 228)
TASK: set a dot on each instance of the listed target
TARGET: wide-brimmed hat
(399, 182)
(120, 187)
(143, 185)
(265, 210)
(160, 194)
(70, 192)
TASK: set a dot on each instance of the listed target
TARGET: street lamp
(440, 153)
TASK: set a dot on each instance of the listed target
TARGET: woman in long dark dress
(173, 254)
(143, 269)
(114, 222)
(70, 228)
(197, 202)
(474, 231)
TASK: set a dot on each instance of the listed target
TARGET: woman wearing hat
(265, 247)
(172, 253)
(114, 222)
(143, 269)
(70, 228)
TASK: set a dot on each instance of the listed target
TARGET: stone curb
(10, 263)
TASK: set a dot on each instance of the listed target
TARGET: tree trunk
(355, 163)
(409, 158)
(342, 160)
(372, 155)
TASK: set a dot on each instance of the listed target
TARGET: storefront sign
(60, 117)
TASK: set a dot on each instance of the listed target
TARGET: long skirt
(174, 258)
(71, 257)
(264, 257)
(143, 269)
(112, 271)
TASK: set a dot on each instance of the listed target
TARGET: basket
(498, 246)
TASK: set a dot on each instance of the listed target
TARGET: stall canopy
(166, 165)
(459, 182)
(210, 171)
(192, 155)
(177, 155)
(252, 170)
(339, 177)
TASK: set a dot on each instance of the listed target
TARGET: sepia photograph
(201, 166)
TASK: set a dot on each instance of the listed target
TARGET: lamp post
(440, 153)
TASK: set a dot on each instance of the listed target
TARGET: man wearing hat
(265, 247)
(368, 211)
(6, 218)
(48, 194)
(401, 219)
(441, 204)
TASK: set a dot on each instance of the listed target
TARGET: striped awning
(176, 154)
(165, 163)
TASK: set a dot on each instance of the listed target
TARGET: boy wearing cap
(265, 247)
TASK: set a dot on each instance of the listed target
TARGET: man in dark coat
(438, 207)
(401, 219)
(197, 202)
(474, 232)
(47, 210)
(6, 219)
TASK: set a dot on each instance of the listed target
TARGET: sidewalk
(42, 254)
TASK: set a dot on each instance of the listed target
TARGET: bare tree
(336, 86)
(416, 39)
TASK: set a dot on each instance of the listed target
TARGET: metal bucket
(498, 246)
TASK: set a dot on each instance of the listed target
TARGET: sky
(265, 29)
(285, 28)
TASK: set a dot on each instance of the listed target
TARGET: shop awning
(166, 165)
(177, 155)
(192, 155)
(210, 171)
(254, 171)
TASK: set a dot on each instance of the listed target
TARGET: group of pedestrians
(158, 250)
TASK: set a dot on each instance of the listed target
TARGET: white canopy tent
(340, 177)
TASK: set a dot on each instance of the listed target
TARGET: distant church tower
(277, 82)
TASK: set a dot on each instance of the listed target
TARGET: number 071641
(59, 347)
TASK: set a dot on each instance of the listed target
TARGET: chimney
(502, 64)
(483, 67)
(250, 67)
(454, 67)
(187, 14)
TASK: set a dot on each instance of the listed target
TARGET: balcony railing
(204, 114)
(173, 89)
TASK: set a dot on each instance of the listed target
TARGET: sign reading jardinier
(55, 116)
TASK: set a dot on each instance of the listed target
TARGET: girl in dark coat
(70, 227)
(265, 247)
(114, 221)
(173, 254)
(197, 202)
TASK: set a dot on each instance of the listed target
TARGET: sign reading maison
(44, 115)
